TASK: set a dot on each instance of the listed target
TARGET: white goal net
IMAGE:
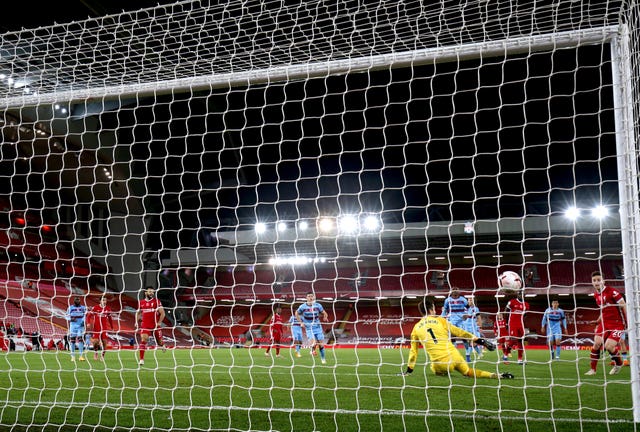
(236, 169)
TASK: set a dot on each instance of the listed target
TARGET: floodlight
(371, 223)
(325, 224)
(348, 224)
(572, 213)
(599, 212)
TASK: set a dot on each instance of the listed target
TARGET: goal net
(237, 169)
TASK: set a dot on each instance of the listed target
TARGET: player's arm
(161, 315)
(460, 333)
(137, 320)
(325, 316)
(413, 354)
(298, 317)
(89, 320)
(507, 314)
(445, 308)
(543, 328)
(564, 322)
(110, 318)
(623, 310)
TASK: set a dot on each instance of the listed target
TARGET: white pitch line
(446, 414)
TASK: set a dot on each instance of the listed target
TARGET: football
(510, 281)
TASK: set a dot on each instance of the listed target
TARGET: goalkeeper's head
(427, 307)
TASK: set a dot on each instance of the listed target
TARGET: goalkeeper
(434, 333)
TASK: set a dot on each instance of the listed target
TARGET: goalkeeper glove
(486, 343)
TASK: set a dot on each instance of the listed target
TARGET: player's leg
(311, 340)
(458, 364)
(504, 344)
(468, 348)
(515, 343)
(157, 335)
(72, 343)
(95, 343)
(611, 345)
(269, 345)
(623, 349)
(558, 339)
(551, 344)
(595, 354)
(103, 344)
(319, 337)
(297, 340)
(311, 343)
(520, 345)
(80, 344)
(439, 368)
(300, 338)
(479, 348)
(144, 337)
(479, 373)
(276, 341)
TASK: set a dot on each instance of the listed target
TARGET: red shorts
(614, 335)
(516, 332)
(276, 336)
(99, 335)
(157, 334)
(615, 332)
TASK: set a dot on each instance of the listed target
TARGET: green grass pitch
(357, 390)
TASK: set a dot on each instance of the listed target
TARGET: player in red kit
(610, 325)
(516, 310)
(151, 312)
(100, 319)
(502, 336)
(275, 326)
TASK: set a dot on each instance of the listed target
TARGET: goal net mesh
(237, 157)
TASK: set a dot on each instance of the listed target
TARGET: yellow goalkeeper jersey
(434, 333)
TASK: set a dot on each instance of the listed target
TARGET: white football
(510, 281)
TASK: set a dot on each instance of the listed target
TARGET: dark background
(29, 15)
(468, 140)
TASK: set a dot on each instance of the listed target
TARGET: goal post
(311, 69)
(237, 157)
(627, 149)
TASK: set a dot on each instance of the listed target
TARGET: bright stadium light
(303, 225)
(572, 213)
(293, 261)
(260, 227)
(325, 224)
(371, 223)
(282, 226)
(600, 212)
(348, 224)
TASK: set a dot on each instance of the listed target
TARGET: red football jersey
(101, 317)
(149, 311)
(500, 327)
(516, 308)
(612, 316)
(276, 323)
